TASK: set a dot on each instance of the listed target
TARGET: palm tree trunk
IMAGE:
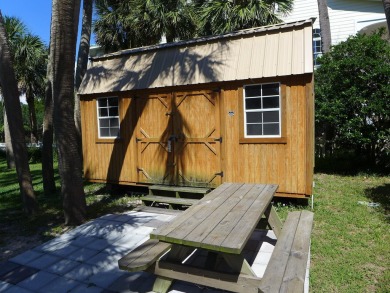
(12, 105)
(49, 186)
(386, 6)
(326, 37)
(82, 62)
(9, 152)
(62, 52)
(32, 117)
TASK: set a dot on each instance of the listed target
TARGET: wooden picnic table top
(221, 221)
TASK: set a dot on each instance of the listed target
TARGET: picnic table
(221, 224)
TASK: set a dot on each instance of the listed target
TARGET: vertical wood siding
(288, 163)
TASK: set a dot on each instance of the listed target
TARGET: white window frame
(107, 117)
(262, 110)
(317, 39)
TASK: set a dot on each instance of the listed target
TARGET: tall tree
(49, 186)
(65, 14)
(12, 107)
(222, 16)
(82, 62)
(386, 6)
(326, 37)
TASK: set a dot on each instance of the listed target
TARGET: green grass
(350, 242)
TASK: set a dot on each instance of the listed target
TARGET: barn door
(197, 138)
(154, 149)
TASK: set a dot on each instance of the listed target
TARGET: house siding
(347, 17)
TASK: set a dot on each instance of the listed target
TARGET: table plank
(245, 227)
(223, 229)
(178, 235)
(162, 231)
(216, 215)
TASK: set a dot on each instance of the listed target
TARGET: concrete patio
(85, 259)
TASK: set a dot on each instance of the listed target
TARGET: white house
(346, 18)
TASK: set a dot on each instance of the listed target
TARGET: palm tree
(12, 106)
(222, 16)
(29, 55)
(128, 24)
(62, 59)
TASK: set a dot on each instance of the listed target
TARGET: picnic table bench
(221, 224)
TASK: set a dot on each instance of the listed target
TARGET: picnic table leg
(273, 220)
(162, 284)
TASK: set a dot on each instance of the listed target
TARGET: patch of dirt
(11, 246)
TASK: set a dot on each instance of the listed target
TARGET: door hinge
(138, 139)
(218, 139)
(219, 174)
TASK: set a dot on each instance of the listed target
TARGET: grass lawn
(350, 241)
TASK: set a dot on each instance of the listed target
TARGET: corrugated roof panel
(232, 54)
(284, 56)
(248, 54)
(308, 47)
(271, 55)
(257, 62)
(244, 59)
(297, 53)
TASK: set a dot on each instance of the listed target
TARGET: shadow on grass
(380, 194)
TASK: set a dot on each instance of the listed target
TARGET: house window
(108, 117)
(317, 46)
(262, 111)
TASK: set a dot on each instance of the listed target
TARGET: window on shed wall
(317, 46)
(262, 110)
(108, 117)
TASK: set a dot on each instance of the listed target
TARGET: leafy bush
(352, 98)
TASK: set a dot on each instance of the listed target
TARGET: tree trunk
(32, 117)
(386, 6)
(82, 63)
(9, 152)
(326, 37)
(63, 51)
(49, 186)
(12, 105)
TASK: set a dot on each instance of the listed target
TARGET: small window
(317, 46)
(108, 117)
(262, 110)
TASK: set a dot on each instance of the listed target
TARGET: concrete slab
(37, 281)
(60, 285)
(26, 257)
(44, 261)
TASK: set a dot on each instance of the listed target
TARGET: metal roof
(269, 51)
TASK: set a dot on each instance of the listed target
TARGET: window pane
(114, 122)
(103, 112)
(271, 102)
(253, 103)
(271, 116)
(113, 102)
(253, 129)
(271, 129)
(113, 111)
(253, 117)
(271, 89)
(104, 132)
(102, 103)
(104, 123)
(253, 91)
(114, 131)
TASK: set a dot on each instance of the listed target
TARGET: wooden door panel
(154, 126)
(197, 133)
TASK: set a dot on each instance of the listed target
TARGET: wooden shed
(237, 107)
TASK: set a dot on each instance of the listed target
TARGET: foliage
(223, 16)
(352, 92)
(128, 24)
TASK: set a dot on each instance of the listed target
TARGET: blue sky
(35, 14)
